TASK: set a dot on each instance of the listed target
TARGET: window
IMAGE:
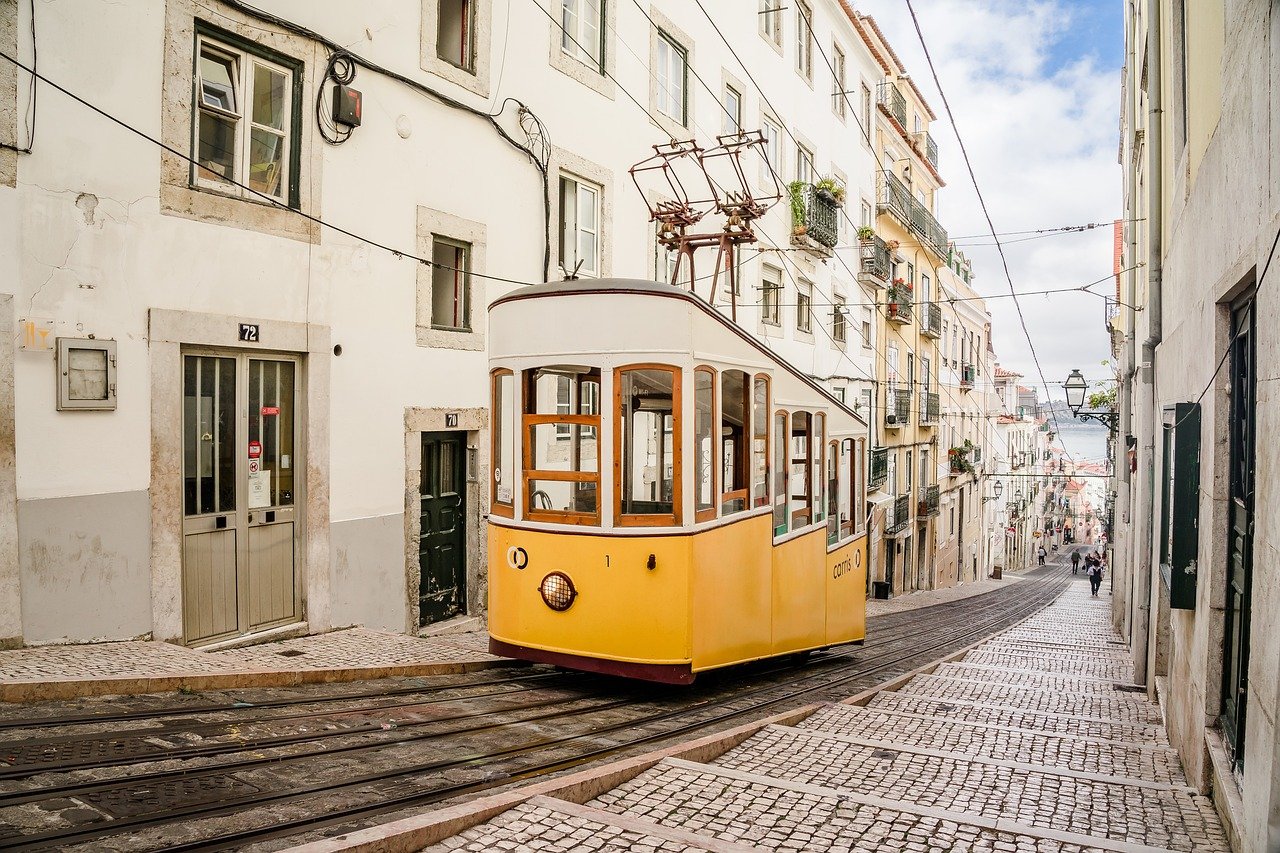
(817, 446)
(760, 442)
(455, 38)
(734, 451)
(835, 475)
(838, 320)
(804, 316)
(672, 68)
(771, 20)
(925, 293)
(804, 165)
(646, 445)
(859, 482)
(909, 472)
(804, 40)
(865, 217)
(1179, 502)
(866, 112)
(911, 274)
(732, 110)
(704, 443)
(582, 28)
(562, 472)
(837, 85)
(866, 331)
(450, 285)
(504, 443)
(801, 459)
(770, 290)
(244, 122)
(919, 125)
(772, 164)
(781, 468)
(579, 227)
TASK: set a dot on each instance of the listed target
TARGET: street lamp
(1075, 387)
(997, 489)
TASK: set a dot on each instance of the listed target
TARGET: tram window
(733, 441)
(562, 454)
(817, 445)
(833, 492)
(704, 443)
(760, 443)
(859, 507)
(845, 501)
(801, 474)
(781, 521)
(647, 445)
(503, 456)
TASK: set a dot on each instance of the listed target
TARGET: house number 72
(249, 332)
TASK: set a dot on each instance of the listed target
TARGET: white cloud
(1042, 137)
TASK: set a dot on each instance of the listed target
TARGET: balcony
(815, 218)
(961, 458)
(879, 470)
(895, 197)
(876, 262)
(968, 375)
(898, 302)
(897, 408)
(929, 504)
(930, 407)
(889, 96)
(931, 319)
(898, 517)
(927, 147)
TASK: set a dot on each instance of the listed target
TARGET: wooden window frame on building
(804, 40)
(665, 101)
(771, 163)
(839, 323)
(770, 296)
(465, 35)
(571, 221)
(731, 106)
(770, 17)
(576, 39)
(804, 308)
(839, 65)
(244, 59)
(460, 278)
(866, 106)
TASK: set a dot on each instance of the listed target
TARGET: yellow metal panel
(799, 593)
(732, 593)
(846, 580)
(624, 610)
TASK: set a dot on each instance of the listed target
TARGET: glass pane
(591, 29)
(266, 162)
(847, 487)
(449, 286)
(833, 492)
(208, 416)
(271, 427)
(801, 512)
(703, 439)
(216, 150)
(216, 87)
(587, 252)
(561, 496)
(816, 480)
(269, 93)
(563, 447)
(733, 439)
(504, 433)
(780, 519)
(86, 374)
(648, 444)
(760, 444)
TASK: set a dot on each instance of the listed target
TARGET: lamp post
(1075, 387)
(996, 489)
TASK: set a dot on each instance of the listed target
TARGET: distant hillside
(1063, 413)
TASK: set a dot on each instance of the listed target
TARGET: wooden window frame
(743, 461)
(835, 532)
(768, 448)
(709, 513)
(805, 512)
(529, 473)
(785, 439)
(673, 519)
(496, 507)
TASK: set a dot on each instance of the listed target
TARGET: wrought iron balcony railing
(877, 264)
(890, 97)
(929, 504)
(898, 303)
(896, 198)
(897, 409)
(931, 319)
(930, 407)
(879, 468)
(899, 515)
(928, 146)
(821, 216)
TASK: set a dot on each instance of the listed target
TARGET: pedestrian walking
(1042, 553)
(1095, 577)
(1075, 562)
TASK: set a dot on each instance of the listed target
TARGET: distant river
(1083, 441)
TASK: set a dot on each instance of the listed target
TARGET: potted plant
(893, 245)
(830, 190)
(865, 233)
(795, 190)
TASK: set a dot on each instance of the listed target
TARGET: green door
(442, 572)
(1235, 642)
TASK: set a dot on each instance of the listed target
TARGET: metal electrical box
(86, 374)
(1180, 503)
(346, 105)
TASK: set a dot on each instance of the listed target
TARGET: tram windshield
(562, 431)
(650, 414)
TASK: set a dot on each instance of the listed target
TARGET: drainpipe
(1155, 242)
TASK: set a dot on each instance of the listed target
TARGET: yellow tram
(667, 495)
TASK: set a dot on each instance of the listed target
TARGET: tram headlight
(558, 591)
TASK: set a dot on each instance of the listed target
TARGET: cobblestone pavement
(141, 666)
(1030, 742)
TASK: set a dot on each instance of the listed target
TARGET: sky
(1034, 86)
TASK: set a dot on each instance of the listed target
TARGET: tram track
(897, 647)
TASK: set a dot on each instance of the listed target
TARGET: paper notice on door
(260, 489)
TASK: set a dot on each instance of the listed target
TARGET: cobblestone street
(1030, 741)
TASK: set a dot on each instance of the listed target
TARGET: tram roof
(645, 287)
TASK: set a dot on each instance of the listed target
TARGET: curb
(75, 688)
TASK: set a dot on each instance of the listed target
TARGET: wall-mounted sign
(35, 334)
(255, 449)
(267, 411)
(451, 419)
(249, 332)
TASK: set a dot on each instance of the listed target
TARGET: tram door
(240, 524)
(442, 572)
(1235, 645)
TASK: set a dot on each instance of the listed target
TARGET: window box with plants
(961, 459)
(899, 300)
(815, 214)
